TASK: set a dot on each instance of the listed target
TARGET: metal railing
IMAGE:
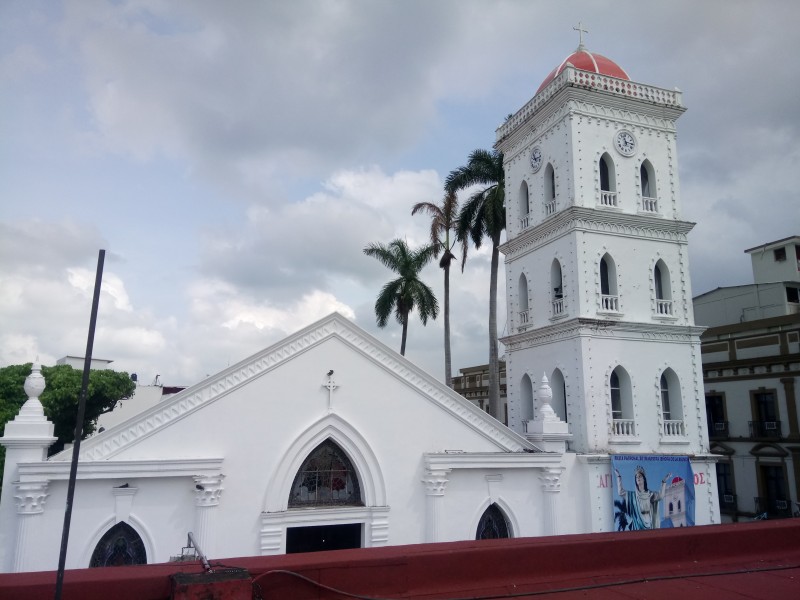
(765, 429)
(780, 508)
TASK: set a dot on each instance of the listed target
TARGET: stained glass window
(492, 524)
(120, 546)
(326, 478)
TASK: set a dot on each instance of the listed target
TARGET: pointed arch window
(326, 478)
(119, 546)
(557, 285)
(671, 406)
(549, 190)
(609, 299)
(622, 422)
(608, 181)
(647, 180)
(524, 316)
(493, 524)
(663, 289)
(524, 206)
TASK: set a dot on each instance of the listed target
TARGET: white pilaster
(207, 492)
(547, 431)
(435, 484)
(551, 486)
(30, 497)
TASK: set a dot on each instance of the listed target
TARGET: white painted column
(551, 486)
(30, 497)
(435, 484)
(207, 492)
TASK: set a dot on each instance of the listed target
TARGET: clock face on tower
(536, 158)
(625, 143)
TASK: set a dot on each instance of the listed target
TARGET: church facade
(330, 439)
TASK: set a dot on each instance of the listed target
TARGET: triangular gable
(146, 423)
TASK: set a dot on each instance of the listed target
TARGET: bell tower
(597, 273)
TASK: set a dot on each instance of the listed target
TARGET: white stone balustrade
(649, 205)
(525, 222)
(550, 207)
(674, 428)
(558, 307)
(623, 428)
(608, 198)
(523, 320)
(609, 303)
(664, 307)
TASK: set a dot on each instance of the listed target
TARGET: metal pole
(76, 447)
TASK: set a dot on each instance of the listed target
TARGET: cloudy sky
(233, 158)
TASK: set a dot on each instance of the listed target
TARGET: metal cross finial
(580, 31)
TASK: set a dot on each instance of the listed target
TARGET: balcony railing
(664, 307)
(609, 303)
(608, 198)
(774, 507)
(649, 205)
(524, 222)
(550, 207)
(558, 307)
(674, 428)
(523, 320)
(727, 503)
(718, 429)
(765, 429)
(623, 428)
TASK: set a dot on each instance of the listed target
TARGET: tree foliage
(484, 215)
(444, 219)
(60, 397)
(407, 292)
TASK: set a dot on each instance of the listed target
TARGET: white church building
(329, 439)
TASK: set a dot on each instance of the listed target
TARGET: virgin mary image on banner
(652, 491)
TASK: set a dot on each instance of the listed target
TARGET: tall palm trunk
(495, 404)
(448, 377)
(405, 334)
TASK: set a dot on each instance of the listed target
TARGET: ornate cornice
(574, 83)
(586, 327)
(114, 440)
(49, 470)
(579, 218)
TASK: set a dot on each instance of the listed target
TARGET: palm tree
(482, 215)
(443, 221)
(407, 292)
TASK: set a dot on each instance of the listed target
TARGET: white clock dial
(536, 159)
(625, 143)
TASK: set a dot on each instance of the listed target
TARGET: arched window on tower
(608, 181)
(647, 178)
(493, 524)
(619, 384)
(549, 190)
(671, 405)
(526, 399)
(663, 289)
(326, 478)
(524, 206)
(119, 546)
(609, 298)
(557, 285)
(523, 303)
(559, 388)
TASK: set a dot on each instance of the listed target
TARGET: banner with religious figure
(652, 491)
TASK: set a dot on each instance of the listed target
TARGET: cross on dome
(580, 31)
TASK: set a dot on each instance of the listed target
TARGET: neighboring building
(144, 397)
(751, 362)
(473, 384)
(329, 439)
(77, 362)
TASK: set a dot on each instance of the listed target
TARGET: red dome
(587, 61)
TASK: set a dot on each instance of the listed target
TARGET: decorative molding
(435, 481)
(435, 461)
(59, 471)
(208, 489)
(579, 218)
(30, 496)
(551, 479)
(114, 440)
